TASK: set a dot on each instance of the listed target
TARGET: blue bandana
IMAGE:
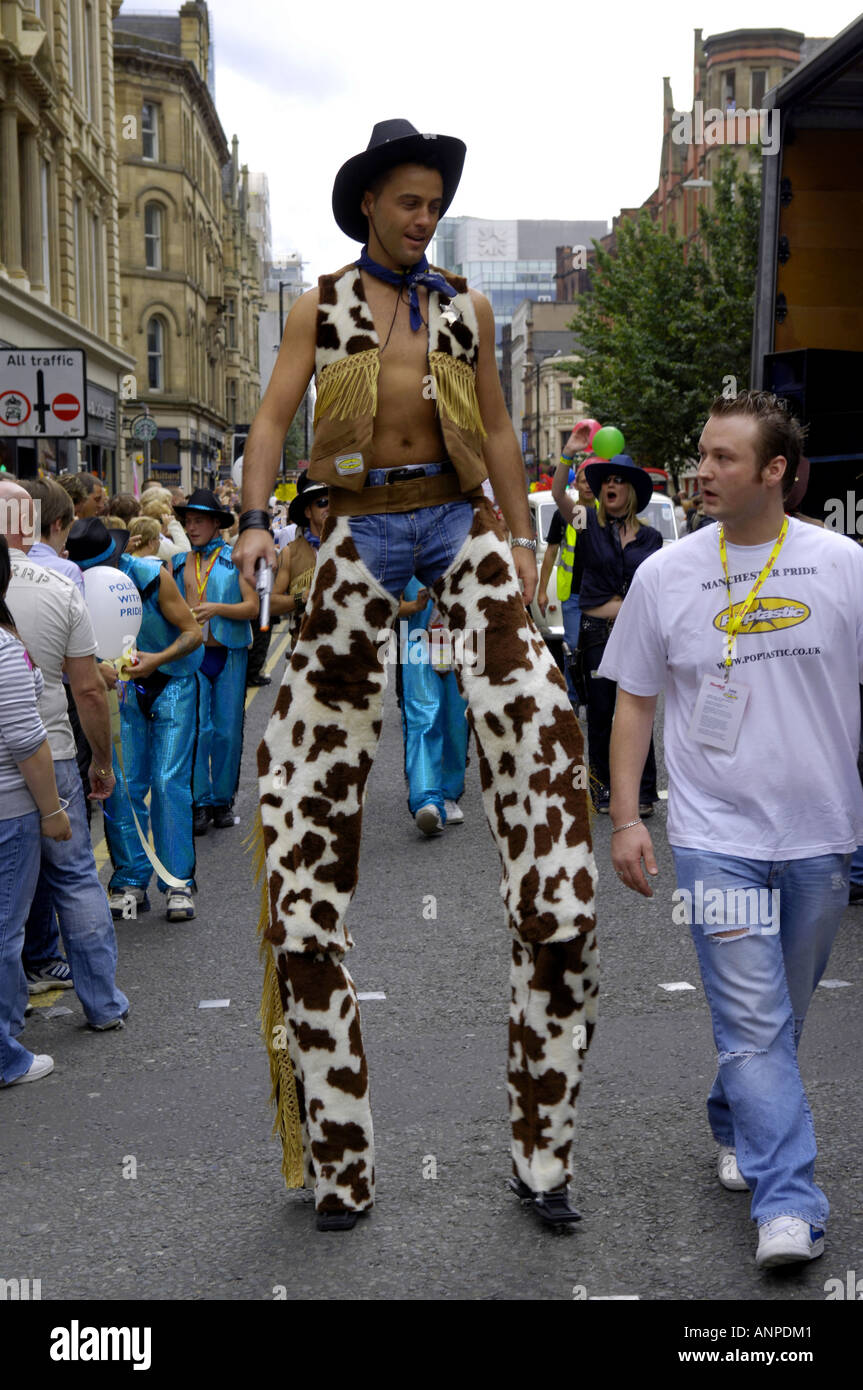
(409, 279)
(313, 540)
(208, 549)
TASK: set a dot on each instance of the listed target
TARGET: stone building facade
(190, 271)
(59, 254)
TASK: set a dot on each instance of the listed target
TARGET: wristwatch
(528, 543)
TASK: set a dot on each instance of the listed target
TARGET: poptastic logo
(767, 615)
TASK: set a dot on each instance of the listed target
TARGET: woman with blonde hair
(149, 536)
(610, 548)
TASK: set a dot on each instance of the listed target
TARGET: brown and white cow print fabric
(313, 767)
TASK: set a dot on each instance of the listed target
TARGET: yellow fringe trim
(455, 387)
(349, 387)
(283, 1093)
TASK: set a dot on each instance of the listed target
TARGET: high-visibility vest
(565, 563)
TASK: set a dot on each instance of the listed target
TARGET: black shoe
(337, 1220)
(259, 680)
(553, 1207)
(855, 894)
(646, 809)
(200, 820)
(223, 817)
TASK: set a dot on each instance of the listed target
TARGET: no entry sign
(43, 392)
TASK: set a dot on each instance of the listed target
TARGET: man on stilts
(409, 417)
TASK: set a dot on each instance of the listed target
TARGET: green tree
(663, 330)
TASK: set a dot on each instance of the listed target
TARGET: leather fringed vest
(347, 365)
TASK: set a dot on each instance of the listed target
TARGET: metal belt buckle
(398, 475)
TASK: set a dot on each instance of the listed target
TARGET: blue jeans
(571, 612)
(397, 545)
(758, 987)
(20, 843)
(857, 867)
(70, 876)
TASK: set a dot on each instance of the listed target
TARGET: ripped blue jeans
(758, 987)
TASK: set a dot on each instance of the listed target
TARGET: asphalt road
(143, 1167)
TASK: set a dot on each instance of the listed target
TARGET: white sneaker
(454, 813)
(428, 819)
(729, 1174)
(180, 905)
(41, 1065)
(787, 1239)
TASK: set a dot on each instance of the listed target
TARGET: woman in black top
(610, 548)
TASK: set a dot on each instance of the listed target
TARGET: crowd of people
(752, 811)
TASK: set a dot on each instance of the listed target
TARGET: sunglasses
(320, 501)
(612, 478)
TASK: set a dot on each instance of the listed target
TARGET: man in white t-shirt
(55, 627)
(762, 823)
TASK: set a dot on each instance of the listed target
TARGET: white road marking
(673, 985)
(214, 1003)
(372, 994)
(834, 984)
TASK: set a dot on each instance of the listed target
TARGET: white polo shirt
(53, 622)
(790, 788)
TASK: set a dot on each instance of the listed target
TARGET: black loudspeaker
(824, 389)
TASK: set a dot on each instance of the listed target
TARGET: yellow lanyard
(202, 588)
(736, 620)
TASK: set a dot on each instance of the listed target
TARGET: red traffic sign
(66, 406)
(15, 407)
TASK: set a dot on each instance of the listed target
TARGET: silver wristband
(628, 826)
(529, 544)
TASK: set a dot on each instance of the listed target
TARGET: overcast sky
(559, 104)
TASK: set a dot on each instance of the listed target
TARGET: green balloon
(607, 442)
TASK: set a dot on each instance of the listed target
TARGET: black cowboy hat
(597, 471)
(393, 142)
(90, 543)
(306, 492)
(203, 500)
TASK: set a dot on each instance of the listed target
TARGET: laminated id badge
(718, 713)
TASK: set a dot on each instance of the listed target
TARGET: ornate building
(189, 267)
(59, 261)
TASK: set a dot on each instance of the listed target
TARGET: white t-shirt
(790, 789)
(53, 622)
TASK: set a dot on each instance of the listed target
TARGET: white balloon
(237, 471)
(115, 608)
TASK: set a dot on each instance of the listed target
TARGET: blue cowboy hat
(623, 466)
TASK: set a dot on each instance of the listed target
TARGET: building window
(46, 222)
(564, 436)
(727, 101)
(76, 77)
(757, 86)
(149, 131)
(155, 354)
(89, 60)
(566, 398)
(95, 297)
(76, 237)
(231, 321)
(232, 401)
(153, 236)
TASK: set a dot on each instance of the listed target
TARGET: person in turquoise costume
(224, 604)
(158, 720)
(434, 712)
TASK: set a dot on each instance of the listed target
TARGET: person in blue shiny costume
(158, 714)
(223, 603)
(434, 719)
